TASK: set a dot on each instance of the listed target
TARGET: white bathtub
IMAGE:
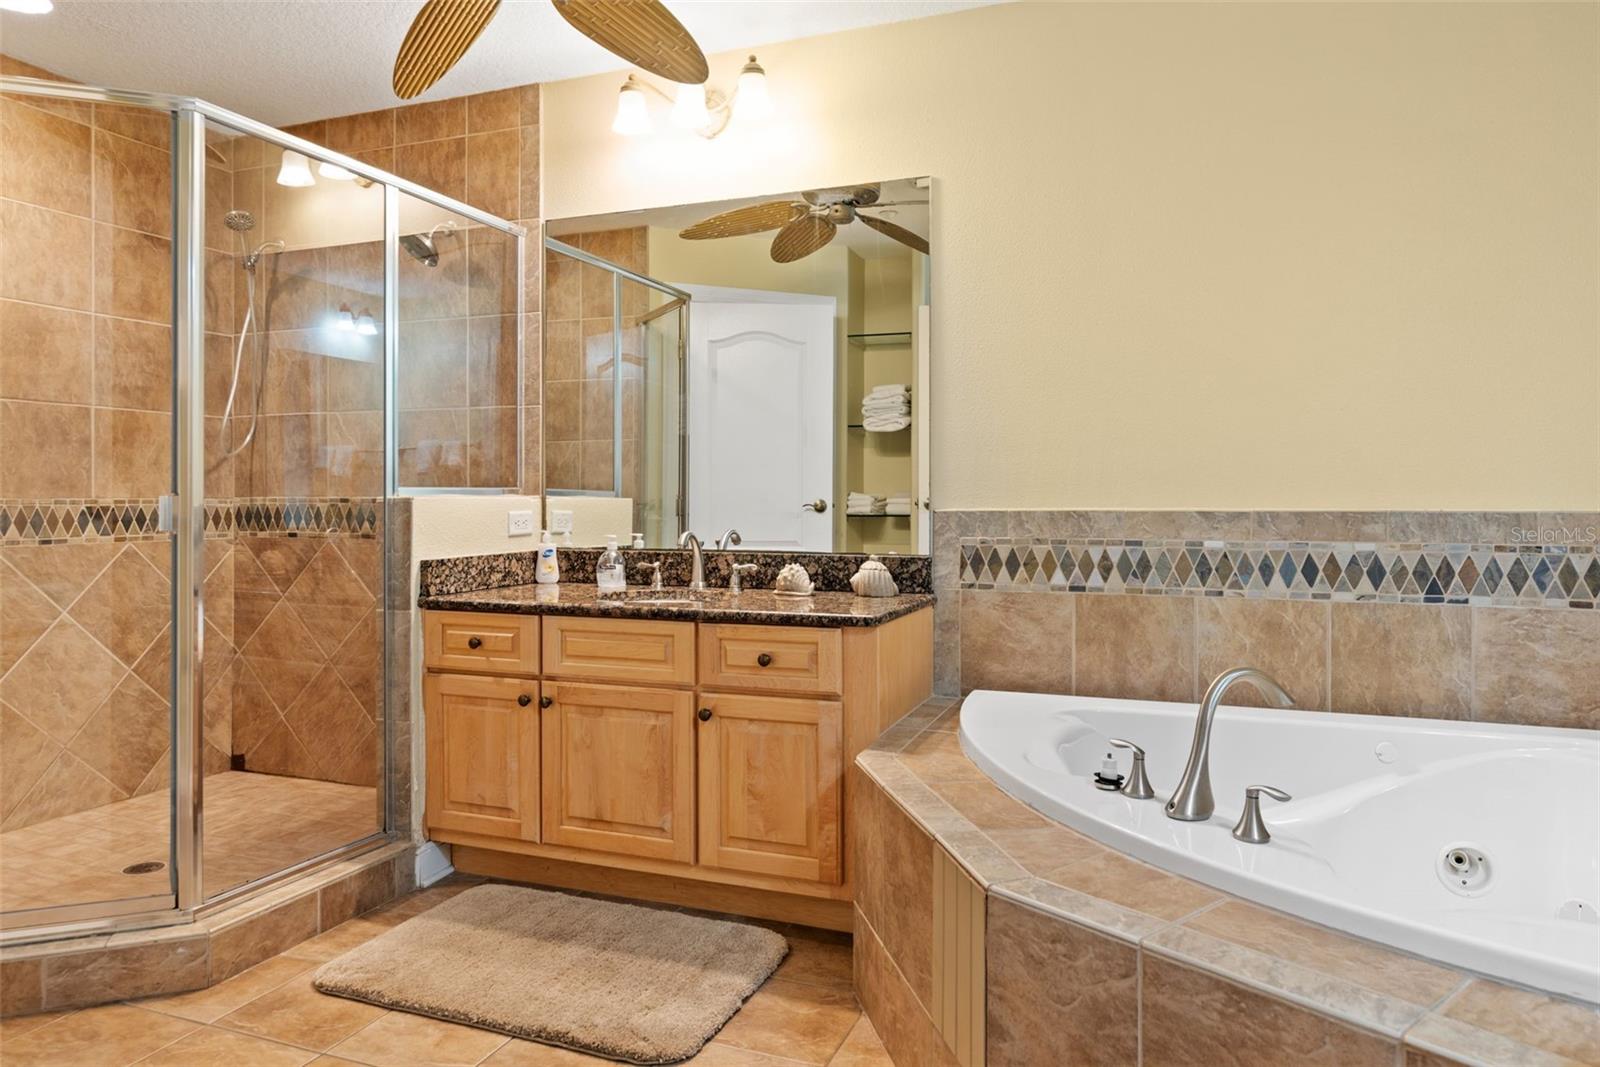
(1377, 803)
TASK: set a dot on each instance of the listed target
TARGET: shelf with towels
(898, 339)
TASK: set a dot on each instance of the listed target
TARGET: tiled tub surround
(1438, 614)
(1092, 957)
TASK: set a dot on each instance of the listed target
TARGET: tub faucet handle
(1138, 784)
(1250, 828)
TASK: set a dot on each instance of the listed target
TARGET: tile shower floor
(804, 1016)
(254, 824)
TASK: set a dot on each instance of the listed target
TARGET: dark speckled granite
(757, 606)
(831, 572)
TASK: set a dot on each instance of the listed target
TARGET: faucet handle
(655, 573)
(1250, 828)
(1138, 784)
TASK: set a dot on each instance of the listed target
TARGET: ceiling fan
(643, 32)
(806, 225)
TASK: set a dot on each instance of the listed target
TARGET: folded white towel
(885, 424)
(889, 390)
(887, 403)
(901, 508)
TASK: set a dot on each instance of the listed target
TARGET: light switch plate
(519, 524)
(560, 521)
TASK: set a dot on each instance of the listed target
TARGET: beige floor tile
(816, 963)
(401, 1039)
(339, 940)
(519, 1053)
(18, 1025)
(211, 1047)
(803, 1022)
(209, 1005)
(297, 1014)
(862, 1048)
(111, 1036)
(715, 1055)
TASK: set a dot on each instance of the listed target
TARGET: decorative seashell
(874, 579)
(794, 580)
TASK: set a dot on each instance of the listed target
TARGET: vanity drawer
(619, 650)
(480, 642)
(779, 658)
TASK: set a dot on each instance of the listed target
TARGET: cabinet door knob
(705, 714)
(524, 700)
(545, 702)
(474, 642)
(764, 660)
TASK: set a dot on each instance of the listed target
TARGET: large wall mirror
(756, 364)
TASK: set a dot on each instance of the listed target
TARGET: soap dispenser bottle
(547, 571)
(609, 573)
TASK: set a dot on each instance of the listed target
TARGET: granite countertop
(754, 606)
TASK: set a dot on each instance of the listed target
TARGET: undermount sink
(644, 598)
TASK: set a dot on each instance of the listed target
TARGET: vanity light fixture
(27, 7)
(695, 107)
(364, 324)
(295, 170)
(334, 171)
(346, 319)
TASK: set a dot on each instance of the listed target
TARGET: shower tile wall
(85, 415)
(458, 387)
(579, 402)
(1460, 615)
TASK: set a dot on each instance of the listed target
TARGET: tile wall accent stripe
(35, 522)
(1534, 575)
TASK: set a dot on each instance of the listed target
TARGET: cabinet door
(483, 754)
(770, 787)
(619, 769)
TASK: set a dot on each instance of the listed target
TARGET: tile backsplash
(1467, 615)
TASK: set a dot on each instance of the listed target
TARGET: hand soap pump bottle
(609, 573)
(547, 571)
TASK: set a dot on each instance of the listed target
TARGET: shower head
(239, 221)
(423, 247)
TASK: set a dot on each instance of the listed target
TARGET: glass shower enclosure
(220, 356)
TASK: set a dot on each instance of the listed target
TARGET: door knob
(705, 714)
(474, 642)
(818, 505)
(545, 702)
(524, 700)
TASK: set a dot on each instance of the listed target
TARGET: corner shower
(232, 384)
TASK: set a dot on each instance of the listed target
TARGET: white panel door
(761, 369)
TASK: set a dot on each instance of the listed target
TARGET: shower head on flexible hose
(239, 221)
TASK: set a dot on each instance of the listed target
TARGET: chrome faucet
(1192, 800)
(729, 540)
(697, 577)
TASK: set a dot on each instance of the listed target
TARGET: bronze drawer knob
(764, 660)
(474, 642)
(524, 700)
(545, 702)
(705, 714)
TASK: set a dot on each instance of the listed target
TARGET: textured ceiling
(286, 61)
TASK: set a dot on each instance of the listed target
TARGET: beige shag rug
(634, 984)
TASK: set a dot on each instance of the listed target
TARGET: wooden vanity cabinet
(619, 769)
(692, 763)
(483, 754)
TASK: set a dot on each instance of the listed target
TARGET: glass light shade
(336, 172)
(633, 118)
(752, 100)
(689, 108)
(295, 170)
(27, 7)
(365, 326)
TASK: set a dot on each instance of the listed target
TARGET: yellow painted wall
(1206, 255)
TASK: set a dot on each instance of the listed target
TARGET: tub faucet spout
(1192, 800)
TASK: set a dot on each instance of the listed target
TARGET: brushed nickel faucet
(697, 576)
(730, 539)
(736, 575)
(1192, 800)
(1251, 828)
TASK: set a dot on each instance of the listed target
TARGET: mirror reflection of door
(761, 416)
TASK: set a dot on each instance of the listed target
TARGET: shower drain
(147, 867)
(1464, 870)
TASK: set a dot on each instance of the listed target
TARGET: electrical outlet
(519, 524)
(560, 521)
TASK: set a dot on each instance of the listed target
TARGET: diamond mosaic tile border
(68, 521)
(1550, 576)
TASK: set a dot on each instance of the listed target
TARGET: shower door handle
(166, 504)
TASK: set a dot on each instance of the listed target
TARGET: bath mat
(634, 984)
